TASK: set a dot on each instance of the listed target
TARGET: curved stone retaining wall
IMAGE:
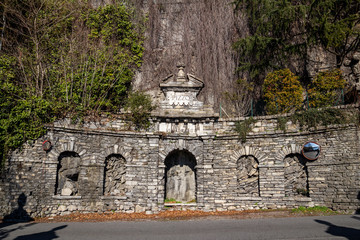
(229, 174)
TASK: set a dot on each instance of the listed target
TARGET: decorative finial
(181, 74)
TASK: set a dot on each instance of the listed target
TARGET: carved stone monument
(180, 96)
(180, 176)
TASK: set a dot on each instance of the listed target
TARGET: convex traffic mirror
(311, 150)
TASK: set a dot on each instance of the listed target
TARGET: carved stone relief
(248, 175)
(180, 176)
(296, 176)
(114, 182)
(68, 174)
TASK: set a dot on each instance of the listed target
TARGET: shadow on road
(349, 233)
(49, 235)
(4, 233)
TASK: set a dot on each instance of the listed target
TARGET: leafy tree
(63, 58)
(282, 29)
(282, 92)
(323, 91)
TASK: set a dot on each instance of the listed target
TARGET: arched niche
(67, 174)
(114, 175)
(296, 176)
(180, 176)
(248, 175)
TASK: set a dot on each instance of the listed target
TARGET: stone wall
(229, 174)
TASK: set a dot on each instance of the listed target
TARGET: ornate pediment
(187, 82)
(180, 95)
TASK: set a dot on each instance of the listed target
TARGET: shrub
(282, 92)
(324, 90)
(139, 106)
(243, 128)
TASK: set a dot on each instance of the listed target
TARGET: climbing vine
(314, 117)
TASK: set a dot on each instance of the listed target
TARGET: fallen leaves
(165, 215)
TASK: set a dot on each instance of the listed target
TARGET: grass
(314, 210)
(171, 200)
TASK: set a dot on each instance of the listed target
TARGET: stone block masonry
(267, 171)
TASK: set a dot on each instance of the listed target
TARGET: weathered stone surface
(66, 191)
(115, 176)
(217, 170)
(68, 173)
(248, 175)
(296, 176)
(180, 176)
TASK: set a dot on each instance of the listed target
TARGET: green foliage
(21, 118)
(243, 128)
(171, 200)
(323, 91)
(140, 107)
(98, 76)
(282, 92)
(281, 123)
(63, 58)
(313, 118)
(282, 29)
(314, 210)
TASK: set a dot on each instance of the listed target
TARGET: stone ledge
(298, 199)
(113, 197)
(272, 166)
(180, 204)
(58, 197)
(248, 198)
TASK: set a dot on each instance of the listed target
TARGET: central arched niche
(180, 176)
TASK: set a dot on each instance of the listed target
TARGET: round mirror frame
(46, 145)
(311, 159)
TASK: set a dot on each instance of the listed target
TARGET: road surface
(324, 228)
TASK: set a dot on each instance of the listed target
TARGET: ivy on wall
(315, 117)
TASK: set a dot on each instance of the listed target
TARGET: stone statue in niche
(114, 184)
(180, 175)
(68, 174)
(296, 176)
(248, 175)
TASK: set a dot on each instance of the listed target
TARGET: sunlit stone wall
(222, 172)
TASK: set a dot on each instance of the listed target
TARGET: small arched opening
(296, 176)
(248, 176)
(114, 175)
(180, 177)
(67, 174)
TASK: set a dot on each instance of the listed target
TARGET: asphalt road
(329, 227)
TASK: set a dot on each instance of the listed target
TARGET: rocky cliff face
(197, 33)
(200, 35)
